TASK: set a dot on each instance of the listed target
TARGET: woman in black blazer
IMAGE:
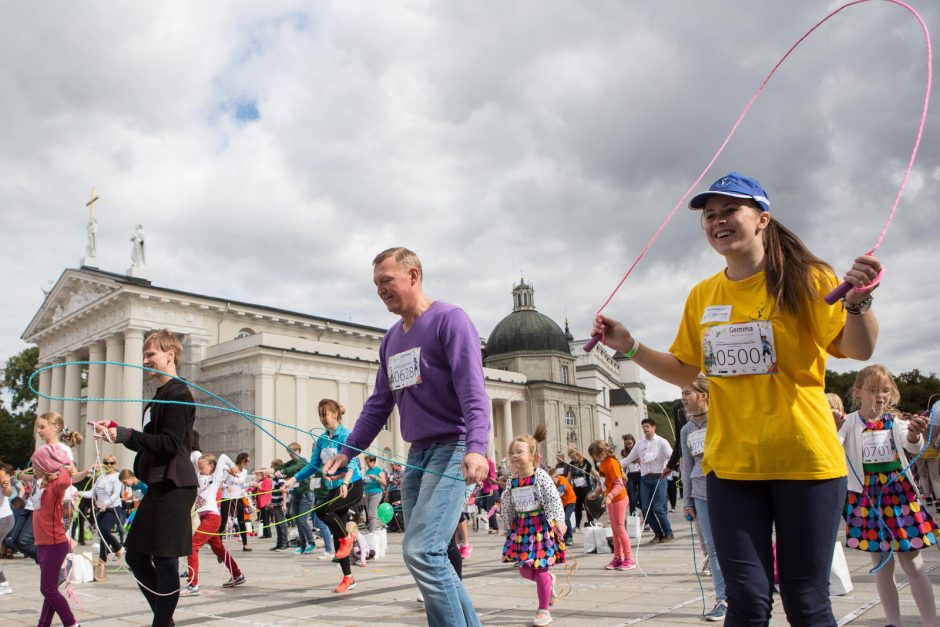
(162, 531)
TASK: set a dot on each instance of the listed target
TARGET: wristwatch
(857, 309)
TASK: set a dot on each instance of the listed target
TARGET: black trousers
(806, 516)
(234, 507)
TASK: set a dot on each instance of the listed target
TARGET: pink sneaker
(465, 551)
(614, 564)
(627, 564)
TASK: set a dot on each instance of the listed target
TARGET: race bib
(146, 418)
(404, 369)
(741, 348)
(523, 498)
(326, 454)
(580, 482)
(696, 442)
(878, 447)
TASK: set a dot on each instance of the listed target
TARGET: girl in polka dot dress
(535, 520)
(882, 512)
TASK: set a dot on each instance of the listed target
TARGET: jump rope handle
(840, 292)
(591, 343)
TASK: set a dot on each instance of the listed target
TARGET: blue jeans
(299, 506)
(569, 520)
(431, 505)
(658, 518)
(323, 529)
(805, 516)
(718, 580)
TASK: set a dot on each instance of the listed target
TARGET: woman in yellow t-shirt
(761, 331)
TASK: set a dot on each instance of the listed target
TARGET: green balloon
(386, 513)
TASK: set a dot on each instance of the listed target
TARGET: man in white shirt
(652, 453)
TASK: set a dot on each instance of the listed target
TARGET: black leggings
(453, 555)
(236, 507)
(334, 515)
(158, 574)
(581, 493)
(805, 516)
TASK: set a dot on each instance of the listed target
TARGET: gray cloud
(270, 150)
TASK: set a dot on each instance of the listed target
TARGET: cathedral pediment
(74, 291)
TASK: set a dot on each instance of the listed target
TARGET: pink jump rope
(843, 289)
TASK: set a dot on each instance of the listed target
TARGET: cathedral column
(58, 386)
(398, 442)
(45, 387)
(491, 436)
(96, 410)
(71, 410)
(132, 387)
(114, 352)
(265, 446)
(507, 426)
(301, 417)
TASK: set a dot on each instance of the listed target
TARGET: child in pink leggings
(53, 468)
(615, 498)
(535, 521)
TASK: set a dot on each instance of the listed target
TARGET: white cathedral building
(278, 364)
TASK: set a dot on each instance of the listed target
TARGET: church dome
(525, 329)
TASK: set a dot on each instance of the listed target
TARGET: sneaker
(554, 589)
(718, 613)
(542, 617)
(627, 564)
(346, 583)
(345, 548)
(614, 564)
(184, 574)
(669, 538)
(706, 567)
(655, 540)
(6, 588)
(190, 591)
(465, 551)
(246, 548)
(236, 581)
(310, 548)
(300, 550)
(420, 598)
(325, 556)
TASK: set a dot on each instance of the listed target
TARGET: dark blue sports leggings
(805, 515)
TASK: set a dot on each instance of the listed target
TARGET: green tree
(16, 424)
(841, 383)
(916, 389)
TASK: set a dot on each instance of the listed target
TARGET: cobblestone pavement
(287, 589)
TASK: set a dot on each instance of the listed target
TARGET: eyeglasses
(110, 463)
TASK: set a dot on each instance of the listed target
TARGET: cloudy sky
(270, 149)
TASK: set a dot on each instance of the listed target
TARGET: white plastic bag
(82, 570)
(635, 526)
(840, 581)
(378, 542)
(595, 539)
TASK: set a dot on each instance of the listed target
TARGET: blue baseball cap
(736, 186)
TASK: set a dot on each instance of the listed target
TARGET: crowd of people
(764, 463)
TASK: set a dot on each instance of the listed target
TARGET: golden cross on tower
(91, 206)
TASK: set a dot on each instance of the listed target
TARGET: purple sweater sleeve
(462, 345)
(374, 414)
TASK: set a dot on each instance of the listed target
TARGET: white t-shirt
(209, 486)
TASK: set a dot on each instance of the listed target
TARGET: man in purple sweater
(431, 368)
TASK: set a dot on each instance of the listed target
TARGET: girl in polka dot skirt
(535, 521)
(882, 512)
